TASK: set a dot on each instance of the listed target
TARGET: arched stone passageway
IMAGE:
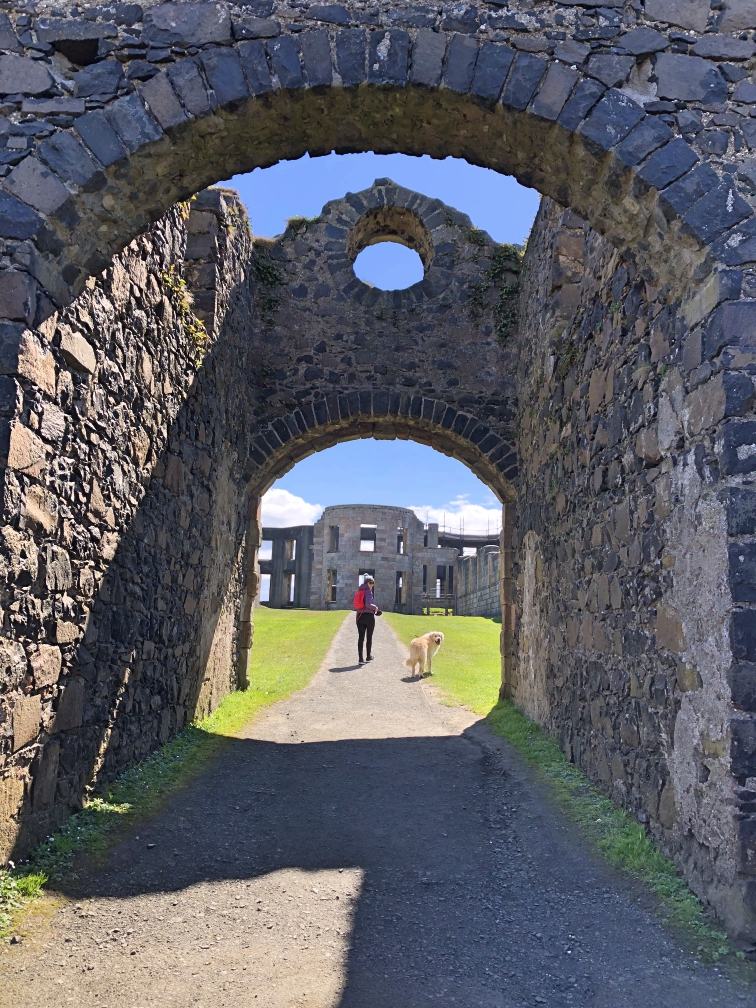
(619, 416)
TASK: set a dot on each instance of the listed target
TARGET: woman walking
(366, 619)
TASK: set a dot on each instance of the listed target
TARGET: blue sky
(384, 472)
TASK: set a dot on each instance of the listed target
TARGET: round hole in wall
(399, 248)
(389, 266)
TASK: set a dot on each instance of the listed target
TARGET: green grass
(468, 666)
(288, 647)
(468, 670)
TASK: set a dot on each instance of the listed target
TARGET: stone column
(251, 588)
(278, 582)
(506, 593)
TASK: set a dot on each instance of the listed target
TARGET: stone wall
(132, 478)
(385, 561)
(124, 523)
(631, 548)
(477, 589)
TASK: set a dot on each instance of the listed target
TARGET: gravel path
(361, 846)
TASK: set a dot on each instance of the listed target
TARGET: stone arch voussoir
(239, 93)
(368, 414)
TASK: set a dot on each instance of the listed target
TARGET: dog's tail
(409, 663)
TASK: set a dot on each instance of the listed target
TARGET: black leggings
(365, 627)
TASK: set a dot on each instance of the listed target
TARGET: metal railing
(430, 603)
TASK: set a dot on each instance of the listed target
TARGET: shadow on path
(474, 891)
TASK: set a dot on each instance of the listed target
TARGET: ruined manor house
(161, 367)
(415, 568)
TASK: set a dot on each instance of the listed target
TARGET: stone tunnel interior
(599, 384)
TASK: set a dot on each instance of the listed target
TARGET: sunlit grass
(289, 646)
(468, 666)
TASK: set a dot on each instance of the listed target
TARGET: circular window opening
(389, 266)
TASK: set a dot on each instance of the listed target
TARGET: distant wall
(478, 584)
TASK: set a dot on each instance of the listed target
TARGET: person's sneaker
(369, 658)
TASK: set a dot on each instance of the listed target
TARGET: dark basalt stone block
(132, 123)
(587, 93)
(331, 13)
(389, 57)
(460, 63)
(523, 80)
(742, 681)
(554, 91)
(190, 87)
(668, 164)
(257, 28)
(100, 137)
(284, 58)
(491, 69)
(611, 120)
(716, 212)
(738, 453)
(428, 50)
(187, 24)
(647, 136)
(224, 73)
(68, 158)
(255, 64)
(316, 56)
(103, 78)
(17, 220)
(689, 78)
(742, 560)
(351, 52)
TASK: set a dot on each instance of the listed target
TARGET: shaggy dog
(422, 650)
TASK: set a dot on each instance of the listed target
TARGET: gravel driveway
(361, 846)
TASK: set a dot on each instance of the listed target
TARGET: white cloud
(473, 518)
(281, 509)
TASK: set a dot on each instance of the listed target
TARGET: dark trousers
(365, 627)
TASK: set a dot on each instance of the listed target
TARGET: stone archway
(548, 99)
(633, 580)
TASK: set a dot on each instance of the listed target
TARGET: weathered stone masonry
(634, 503)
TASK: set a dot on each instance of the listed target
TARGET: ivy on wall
(498, 290)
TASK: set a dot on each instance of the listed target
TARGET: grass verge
(468, 666)
(289, 646)
(468, 670)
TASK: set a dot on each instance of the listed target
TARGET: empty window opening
(291, 549)
(425, 579)
(389, 266)
(290, 579)
(400, 541)
(266, 550)
(265, 587)
(367, 538)
(399, 588)
(469, 550)
(333, 539)
(332, 584)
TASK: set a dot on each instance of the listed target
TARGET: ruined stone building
(602, 386)
(321, 566)
(391, 543)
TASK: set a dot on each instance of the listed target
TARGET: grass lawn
(468, 666)
(289, 645)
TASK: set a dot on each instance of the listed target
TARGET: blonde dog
(422, 650)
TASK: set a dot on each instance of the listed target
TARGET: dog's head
(437, 637)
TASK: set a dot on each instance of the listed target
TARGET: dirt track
(361, 846)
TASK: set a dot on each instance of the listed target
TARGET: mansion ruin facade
(413, 567)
